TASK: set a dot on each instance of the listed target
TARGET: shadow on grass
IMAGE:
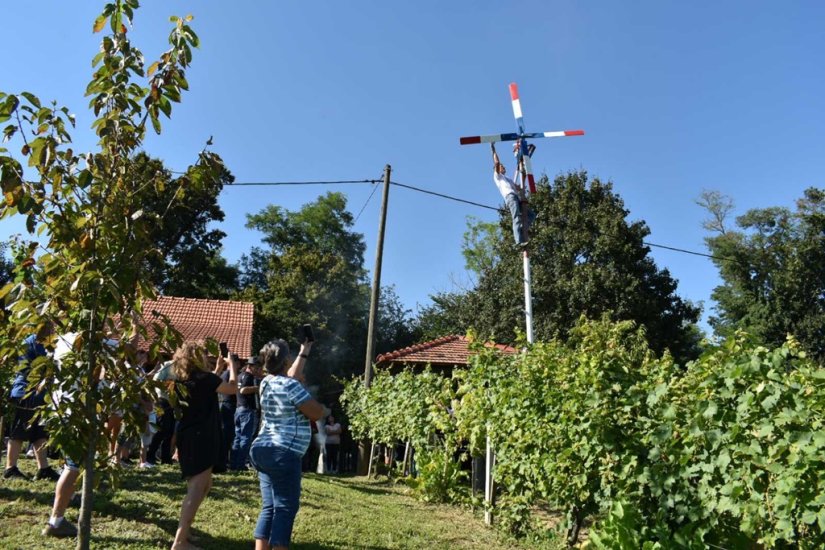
(377, 490)
(26, 495)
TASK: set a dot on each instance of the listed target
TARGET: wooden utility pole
(376, 278)
(363, 467)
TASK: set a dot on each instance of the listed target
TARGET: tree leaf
(100, 22)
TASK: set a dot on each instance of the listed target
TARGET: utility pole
(363, 459)
(376, 278)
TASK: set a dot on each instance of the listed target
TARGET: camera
(307, 332)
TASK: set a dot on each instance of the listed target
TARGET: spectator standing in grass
(246, 417)
(283, 439)
(25, 423)
(226, 408)
(198, 432)
(333, 443)
(162, 439)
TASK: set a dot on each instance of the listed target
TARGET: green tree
(187, 260)
(86, 274)
(773, 270)
(395, 327)
(449, 313)
(586, 259)
(311, 272)
(6, 266)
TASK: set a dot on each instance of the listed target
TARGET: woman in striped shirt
(286, 410)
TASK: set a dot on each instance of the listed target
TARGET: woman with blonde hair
(198, 431)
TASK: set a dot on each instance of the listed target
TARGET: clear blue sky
(675, 97)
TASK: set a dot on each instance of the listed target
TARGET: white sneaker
(146, 465)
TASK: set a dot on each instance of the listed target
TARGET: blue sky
(675, 97)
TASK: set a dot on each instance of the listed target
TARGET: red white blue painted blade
(488, 139)
(517, 107)
(563, 133)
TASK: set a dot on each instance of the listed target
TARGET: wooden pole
(374, 297)
(376, 279)
(406, 459)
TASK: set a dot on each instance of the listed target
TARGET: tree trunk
(576, 517)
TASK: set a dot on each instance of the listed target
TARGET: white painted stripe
(528, 165)
(491, 139)
(553, 134)
(517, 108)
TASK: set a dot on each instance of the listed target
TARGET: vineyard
(727, 451)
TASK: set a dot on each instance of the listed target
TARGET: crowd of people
(232, 414)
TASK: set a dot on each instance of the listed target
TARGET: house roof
(197, 319)
(449, 350)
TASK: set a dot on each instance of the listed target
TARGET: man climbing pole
(513, 198)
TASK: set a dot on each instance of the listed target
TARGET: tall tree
(312, 271)
(86, 276)
(773, 271)
(395, 328)
(586, 259)
(6, 265)
(187, 259)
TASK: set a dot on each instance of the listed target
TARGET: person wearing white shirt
(510, 192)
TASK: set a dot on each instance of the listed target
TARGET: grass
(336, 513)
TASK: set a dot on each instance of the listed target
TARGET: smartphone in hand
(224, 349)
(308, 335)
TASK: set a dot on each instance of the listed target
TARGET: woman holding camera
(198, 432)
(286, 411)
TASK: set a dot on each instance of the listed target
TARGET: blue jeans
(245, 422)
(514, 206)
(279, 473)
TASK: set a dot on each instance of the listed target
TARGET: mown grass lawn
(336, 513)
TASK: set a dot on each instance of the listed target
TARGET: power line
(442, 195)
(711, 256)
(457, 199)
(336, 182)
(374, 189)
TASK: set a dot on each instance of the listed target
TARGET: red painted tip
(532, 181)
(470, 140)
(513, 91)
(574, 132)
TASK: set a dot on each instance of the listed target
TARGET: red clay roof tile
(448, 350)
(197, 319)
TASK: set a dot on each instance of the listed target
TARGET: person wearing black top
(198, 432)
(246, 418)
(226, 407)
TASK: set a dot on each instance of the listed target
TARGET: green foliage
(395, 328)
(727, 451)
(312, 272)
(773, 271)
(415, 408)
(479, 247)
(439, 477)
(6, 266)
(740, 446)
(83, 270)
(449, 313)
(186, 260)
(562, 416)
(587, 259)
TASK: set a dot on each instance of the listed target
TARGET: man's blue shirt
(34, 349)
